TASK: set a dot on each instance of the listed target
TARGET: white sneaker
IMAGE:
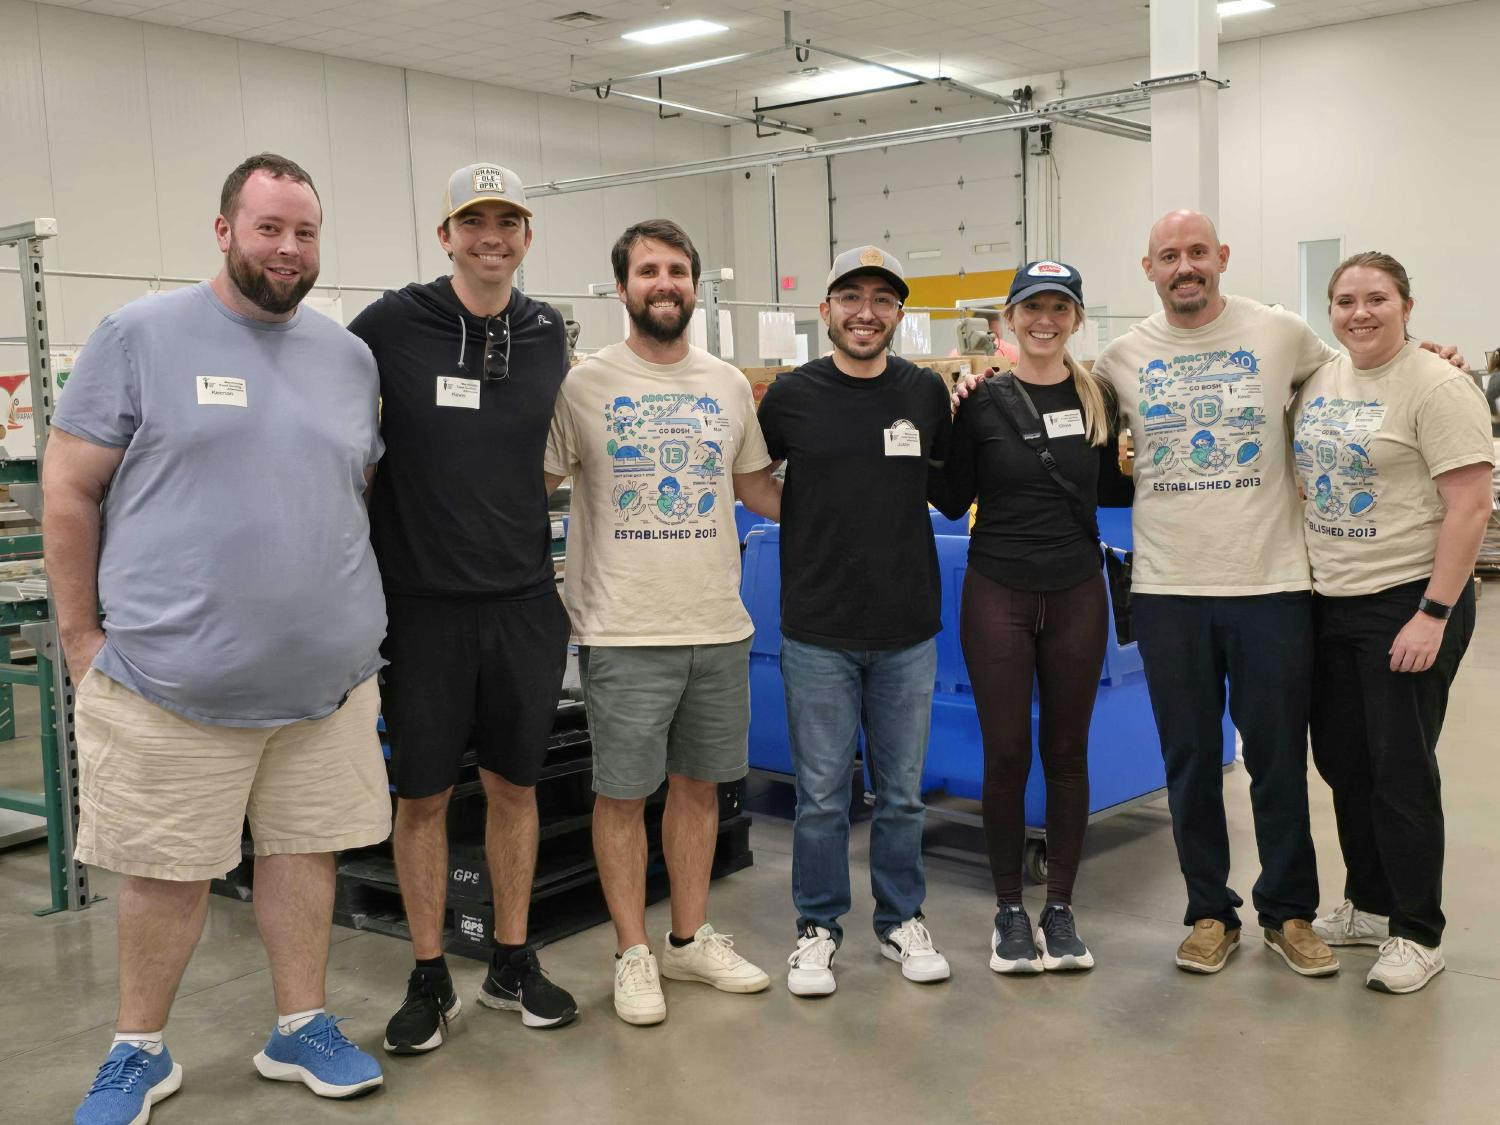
(812, 964)
(1350, 926)
(711, 959)
(638, 997)
(911, 945)
(1404, 966)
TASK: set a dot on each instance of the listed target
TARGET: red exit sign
(789, 282)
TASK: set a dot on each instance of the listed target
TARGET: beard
(262, 290)
(859, 349)
(666, 327)
(1191, 304)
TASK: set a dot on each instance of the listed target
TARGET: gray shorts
(660, 709)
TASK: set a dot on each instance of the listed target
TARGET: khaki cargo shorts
(165, 797)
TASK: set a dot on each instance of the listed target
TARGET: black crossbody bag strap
(1016, 407)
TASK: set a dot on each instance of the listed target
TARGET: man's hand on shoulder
(1445, 351)
(964, 386)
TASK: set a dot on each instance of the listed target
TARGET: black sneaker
(1057, 935)
(522, 986)
(1012, 949)
(421, 1021)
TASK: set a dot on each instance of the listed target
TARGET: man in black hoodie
(477, 637)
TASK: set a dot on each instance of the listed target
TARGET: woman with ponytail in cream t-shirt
(1393, 448)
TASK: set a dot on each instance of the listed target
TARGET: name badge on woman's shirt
(1064, 423)
(453, 391)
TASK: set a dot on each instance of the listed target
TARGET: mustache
(1189, 279)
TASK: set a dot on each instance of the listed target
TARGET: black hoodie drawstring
(463, 339)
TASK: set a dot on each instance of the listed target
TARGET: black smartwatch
(1434, 609)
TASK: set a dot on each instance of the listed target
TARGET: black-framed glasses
(496, 336)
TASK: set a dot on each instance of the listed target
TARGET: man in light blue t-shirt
(204, 484)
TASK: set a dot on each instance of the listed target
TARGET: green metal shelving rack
(35, 619)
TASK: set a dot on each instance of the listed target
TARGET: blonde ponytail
(1096, 411)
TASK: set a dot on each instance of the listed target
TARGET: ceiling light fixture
(853, 80)
(672, 32)
(1243, 7)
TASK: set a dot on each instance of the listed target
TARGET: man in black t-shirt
(860, 608)
(477, 636)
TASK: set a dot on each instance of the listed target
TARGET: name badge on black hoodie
(453, 391)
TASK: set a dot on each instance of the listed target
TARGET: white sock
(288, 1025)
(148, 1041)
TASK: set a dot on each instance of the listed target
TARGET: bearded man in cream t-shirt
(660, 438)
(1221, 592)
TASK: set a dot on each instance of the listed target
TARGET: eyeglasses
(496, 364)
(882, 304)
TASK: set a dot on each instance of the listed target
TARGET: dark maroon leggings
(1012, 638)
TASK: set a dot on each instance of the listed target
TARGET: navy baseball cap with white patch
(475, 183)
(869, 259)
(1045, 277)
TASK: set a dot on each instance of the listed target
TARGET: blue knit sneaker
(129, 1083)
(318, 1055)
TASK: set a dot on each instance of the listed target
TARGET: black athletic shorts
(471, 672)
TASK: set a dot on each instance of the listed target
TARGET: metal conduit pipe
(819, 149)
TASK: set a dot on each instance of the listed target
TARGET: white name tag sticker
(903, 439)
(453, 391)
(221, 390)
(1064, 423)
(1249, 391)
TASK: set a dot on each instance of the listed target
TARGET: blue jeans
(830, 693)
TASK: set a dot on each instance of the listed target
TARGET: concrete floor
(1135, 1040)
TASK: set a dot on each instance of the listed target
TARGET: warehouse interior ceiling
(522, 44)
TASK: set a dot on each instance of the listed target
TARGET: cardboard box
(762, 377)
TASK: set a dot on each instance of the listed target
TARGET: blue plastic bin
(1125, 763)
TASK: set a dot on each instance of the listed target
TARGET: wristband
(1434, 609)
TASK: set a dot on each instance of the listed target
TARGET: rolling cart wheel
(1034, 861)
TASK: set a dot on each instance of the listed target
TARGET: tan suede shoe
(1208, 947)
(1302, 949)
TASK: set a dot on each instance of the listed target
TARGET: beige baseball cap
(474, 183)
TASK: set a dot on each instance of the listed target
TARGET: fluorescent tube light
(852, 80)
(1241, 7)
(672, 32)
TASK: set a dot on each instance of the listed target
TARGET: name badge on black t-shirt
(1064, 423)
(903, 439)
(453, 391)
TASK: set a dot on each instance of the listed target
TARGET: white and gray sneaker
(1404, 966)
(1348, 925)
(638, 997)
(710, 959)
(1057, 938)
(811, 964)
(910, 945)
(1013, 942)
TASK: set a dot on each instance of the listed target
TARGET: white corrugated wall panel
(285, 105)
(99, 134)
(371, 174)
(197, 137)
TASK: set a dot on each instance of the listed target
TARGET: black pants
(1261, 645)
(1012, 639)
(1374, 739)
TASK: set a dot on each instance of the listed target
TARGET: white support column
(1185, 118)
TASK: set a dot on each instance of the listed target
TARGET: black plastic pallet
(566, 896)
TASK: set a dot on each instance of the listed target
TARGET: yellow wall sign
(950, 288)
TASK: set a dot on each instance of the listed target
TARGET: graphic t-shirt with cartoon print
(1216, 505)
(653, 556)
(1367, 446)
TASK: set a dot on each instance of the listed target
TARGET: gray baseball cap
(474, 183)
(868, 259)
